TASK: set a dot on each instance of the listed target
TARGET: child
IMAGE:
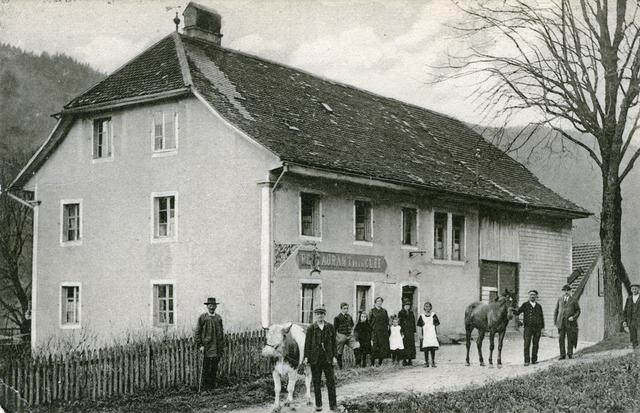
(395, 340)
(362, 334)
(429, 321)
(343, 323)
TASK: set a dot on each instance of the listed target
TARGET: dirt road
(450, 375)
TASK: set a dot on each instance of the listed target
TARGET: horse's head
(507, 303)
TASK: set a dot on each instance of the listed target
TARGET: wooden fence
(10, 400)
(99, 374)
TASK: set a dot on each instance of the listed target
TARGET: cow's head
(275, 339)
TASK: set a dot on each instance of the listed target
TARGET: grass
(611, 385)
(617, 342)
(227, 397)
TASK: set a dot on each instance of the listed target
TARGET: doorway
(495, 278)
(409, 292)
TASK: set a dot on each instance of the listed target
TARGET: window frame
(77, 241)
(108, 158)
(154, 284)
(319, 196)
(356, 241)
(78, 324)
(318, 285)
(448, 260)
(152, 198)
(372, 293)
(165, 151)
(413, 246)
(463, 238)
(445, 241)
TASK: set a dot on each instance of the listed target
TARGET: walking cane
(201, 357)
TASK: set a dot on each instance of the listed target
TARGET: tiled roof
(311, 121)
(585, 255)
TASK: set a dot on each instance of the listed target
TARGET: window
(457, 237)
(70, 306)
(163, 305)
(102, 141)
(164, 212)
(71, 222)
(363, 298)
(440, 236)
(165, 131)
(310, 214)
(309, 300)
(409, 226)
(363, 227)
(600, 284)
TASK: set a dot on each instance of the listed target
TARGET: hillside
(32, 87)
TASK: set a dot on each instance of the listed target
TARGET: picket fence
(121, 370)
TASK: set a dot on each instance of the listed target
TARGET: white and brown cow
(285, 343)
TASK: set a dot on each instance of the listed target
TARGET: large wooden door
(496, 277)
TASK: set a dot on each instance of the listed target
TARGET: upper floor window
(409, 226)
(165, 131)
(102, 138)
(310, 299)
(440, 236)
(164, 216)
(310, 221)
(70, 305)
(163, 305)
(363, 221)
(71, 222)
(457, 237)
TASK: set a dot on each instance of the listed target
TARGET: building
(196, 171)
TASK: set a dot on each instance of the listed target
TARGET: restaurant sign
(334, 261)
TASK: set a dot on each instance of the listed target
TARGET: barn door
(495, 277)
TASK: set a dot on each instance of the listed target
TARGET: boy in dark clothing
(533, 326)
(343, 324)
(209, 338)
(320, 352)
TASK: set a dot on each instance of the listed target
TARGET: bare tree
(15, 251)
(574, 65)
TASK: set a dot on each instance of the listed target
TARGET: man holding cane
(209, 338)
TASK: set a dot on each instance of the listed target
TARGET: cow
(285, 344)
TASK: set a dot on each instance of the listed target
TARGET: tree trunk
(610, 230)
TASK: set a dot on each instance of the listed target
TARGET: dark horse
(492, 317)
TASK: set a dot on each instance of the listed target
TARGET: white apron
(429, 336)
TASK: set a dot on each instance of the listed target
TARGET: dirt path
(450, 375)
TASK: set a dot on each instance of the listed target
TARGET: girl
(379, 322)
(362, 334)
(395, 340)
(429, 321)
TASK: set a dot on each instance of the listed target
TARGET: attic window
(327, 107)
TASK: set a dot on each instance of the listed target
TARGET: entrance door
(495, 278)
(409, 293)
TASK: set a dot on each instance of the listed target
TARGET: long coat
(561, 318)
(210, 334)
(533, 317)
(632, 312)
(316, 340)
(408, 328)
(379, 321)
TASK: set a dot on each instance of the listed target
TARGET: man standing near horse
(320, 352)
(632, 315)
(533, 326)
(209, 338)
(566, 318)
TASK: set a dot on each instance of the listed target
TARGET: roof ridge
(182, 59)
(120, 68)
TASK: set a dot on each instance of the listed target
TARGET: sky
(387, 47)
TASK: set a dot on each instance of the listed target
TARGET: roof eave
(118, 103)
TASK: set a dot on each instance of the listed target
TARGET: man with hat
(566, 319)
(209, 338)
(632, 314)
(533, 325)
(320, 352)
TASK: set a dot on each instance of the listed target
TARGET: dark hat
(320, 309)
(406, 301)
(533, 291)
(566, 287)
(211, 300)
(634, 285)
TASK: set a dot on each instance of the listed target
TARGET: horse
(492, 317)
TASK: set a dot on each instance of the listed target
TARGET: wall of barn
(214, 173)
(591, 321)
(449, 285)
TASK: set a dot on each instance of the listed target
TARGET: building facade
(197, 171)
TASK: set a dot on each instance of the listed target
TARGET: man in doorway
(343, 324)
(632, 315)
(209, 338)
(533, 326)
(566, 319)
(320, 353)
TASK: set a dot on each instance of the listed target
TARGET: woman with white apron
(428, 321)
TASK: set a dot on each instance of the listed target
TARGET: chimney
(202, 23)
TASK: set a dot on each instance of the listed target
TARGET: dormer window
(165, 131)
(102, 138)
